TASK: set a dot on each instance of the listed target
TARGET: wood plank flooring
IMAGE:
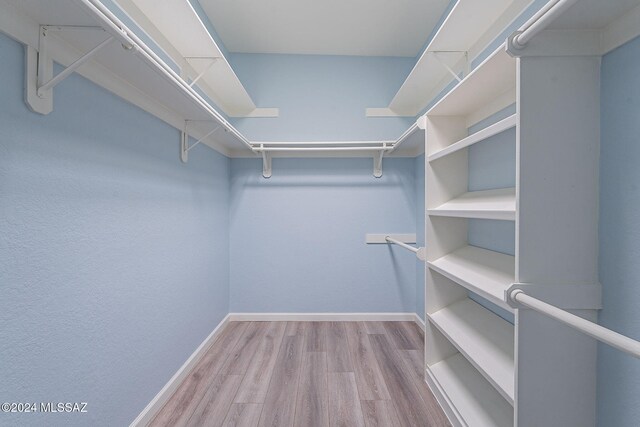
(308, 374)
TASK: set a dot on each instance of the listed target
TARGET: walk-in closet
(412, 213)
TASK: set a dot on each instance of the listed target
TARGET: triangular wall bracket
(39, 79)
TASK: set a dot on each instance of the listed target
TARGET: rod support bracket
(266, 164)
(184, 144)
(377, 163)
(513, 48)
(422, 122)
(568, 296)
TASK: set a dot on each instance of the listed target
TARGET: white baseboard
(319, 317)
(172, 385)
(418, 321)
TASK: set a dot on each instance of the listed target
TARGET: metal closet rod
(268, 149)
(404, 245)
(541, 20)
(258, 144)
(117, 29)
(607, 336)
(404, 136)
(420, 252)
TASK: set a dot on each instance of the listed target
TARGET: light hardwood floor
(307, 374)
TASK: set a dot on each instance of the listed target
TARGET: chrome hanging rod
(262, 149)
(607, 336)
(420, 252)
(539, 22)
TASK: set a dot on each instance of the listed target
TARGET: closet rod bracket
(266, 163)
(377, 162)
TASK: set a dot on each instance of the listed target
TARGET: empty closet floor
(308, 374)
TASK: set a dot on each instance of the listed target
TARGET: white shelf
(179, 23)
(485, 339)
(465, 25)
(484, 272)
(489, 88)
(488, 132)
(488, 204)
(474, 400)
(126, 73)
(411, 142)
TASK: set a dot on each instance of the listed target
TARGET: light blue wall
(420, 223)
(492, 164)
(113, 254)
(321, 98)
(297, 239)
(619, 374)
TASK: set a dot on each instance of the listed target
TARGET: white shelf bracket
(212, 59)
(377, 162)
(436, 55)
(39, 68)
(184, 141)
(266, 163)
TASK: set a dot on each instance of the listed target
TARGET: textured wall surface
(113, 254)
(618, 373)
(321, 98)
(297, 239)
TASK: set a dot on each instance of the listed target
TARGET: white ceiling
(325, 27)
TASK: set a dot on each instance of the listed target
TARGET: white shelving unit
(484, 370)
(468, 28)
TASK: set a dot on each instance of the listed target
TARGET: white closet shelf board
(485, 339)
(489, 131)
(484, 272)
(466, 22)
(488, 204)
(615, 21)
(465, 25)
(182, 27)
(475, 401)
(493, 81)
(592, 14)
(123, 72)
